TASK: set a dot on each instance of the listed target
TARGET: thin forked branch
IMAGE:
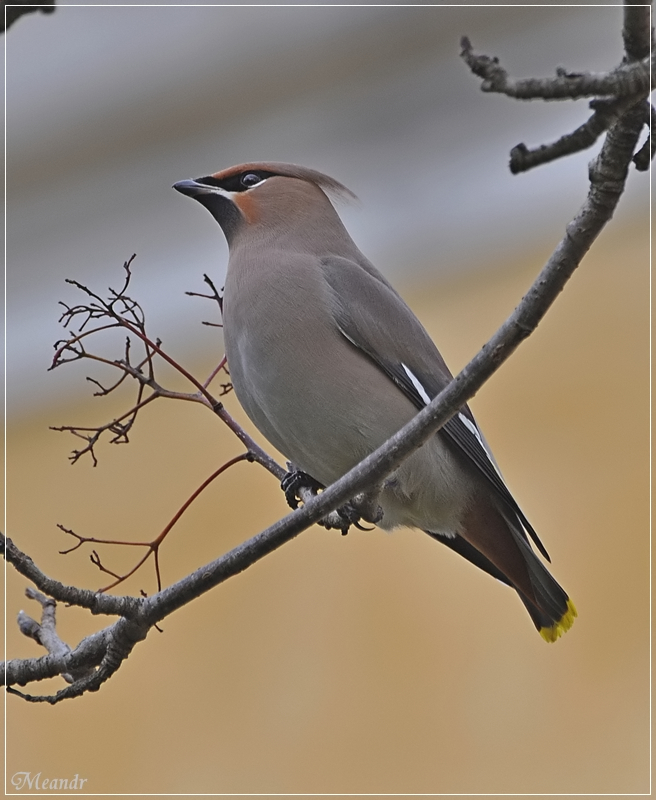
(614, 93)
(152, 547)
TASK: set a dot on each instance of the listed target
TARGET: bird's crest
(330, 186)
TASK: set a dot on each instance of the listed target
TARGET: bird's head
(265, 196)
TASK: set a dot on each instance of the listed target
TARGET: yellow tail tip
(552, 633)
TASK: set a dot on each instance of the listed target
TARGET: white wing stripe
(469, 424)
(415, 382)
(466, 422)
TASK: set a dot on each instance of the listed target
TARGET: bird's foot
(298, 486)
(342, 518)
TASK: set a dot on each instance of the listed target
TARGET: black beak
(214, 199)
(190, 188)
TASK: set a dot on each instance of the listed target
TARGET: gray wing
(376, 320)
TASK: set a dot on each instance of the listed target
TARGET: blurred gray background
(107, 107)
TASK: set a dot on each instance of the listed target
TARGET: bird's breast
(312, 393)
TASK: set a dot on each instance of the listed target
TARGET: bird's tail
(551, 610)
(496, 542)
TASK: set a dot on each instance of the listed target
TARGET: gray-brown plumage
(328, 362)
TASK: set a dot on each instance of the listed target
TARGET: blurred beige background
(374, 662)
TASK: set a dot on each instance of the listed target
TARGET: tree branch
(624, 81)
(84, 598)
(605, 112)
(109, 649)
(636, 33)
(46, 634)
(615, 91)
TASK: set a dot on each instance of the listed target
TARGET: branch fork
(614, 93)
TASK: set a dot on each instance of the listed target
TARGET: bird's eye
(249, 179)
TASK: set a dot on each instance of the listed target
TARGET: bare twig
(46, 634)
(116, 427)
(605, 112)
(222, 366)
(615, 91)
(625, 81)
(152, 547)
(84, 598)
(92, 540)
(126, 313)
(215, 294)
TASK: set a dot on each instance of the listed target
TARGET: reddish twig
(136, 326)
(215, 294)
(90, 539)
(152, 546)
(222, 365)
(125, 312)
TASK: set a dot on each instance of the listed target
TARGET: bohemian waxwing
(328, 362)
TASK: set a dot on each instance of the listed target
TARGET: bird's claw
(298, 486)
(341, 519)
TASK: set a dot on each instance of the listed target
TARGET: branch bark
(624, 81)
(614, 92)
(605, 112)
